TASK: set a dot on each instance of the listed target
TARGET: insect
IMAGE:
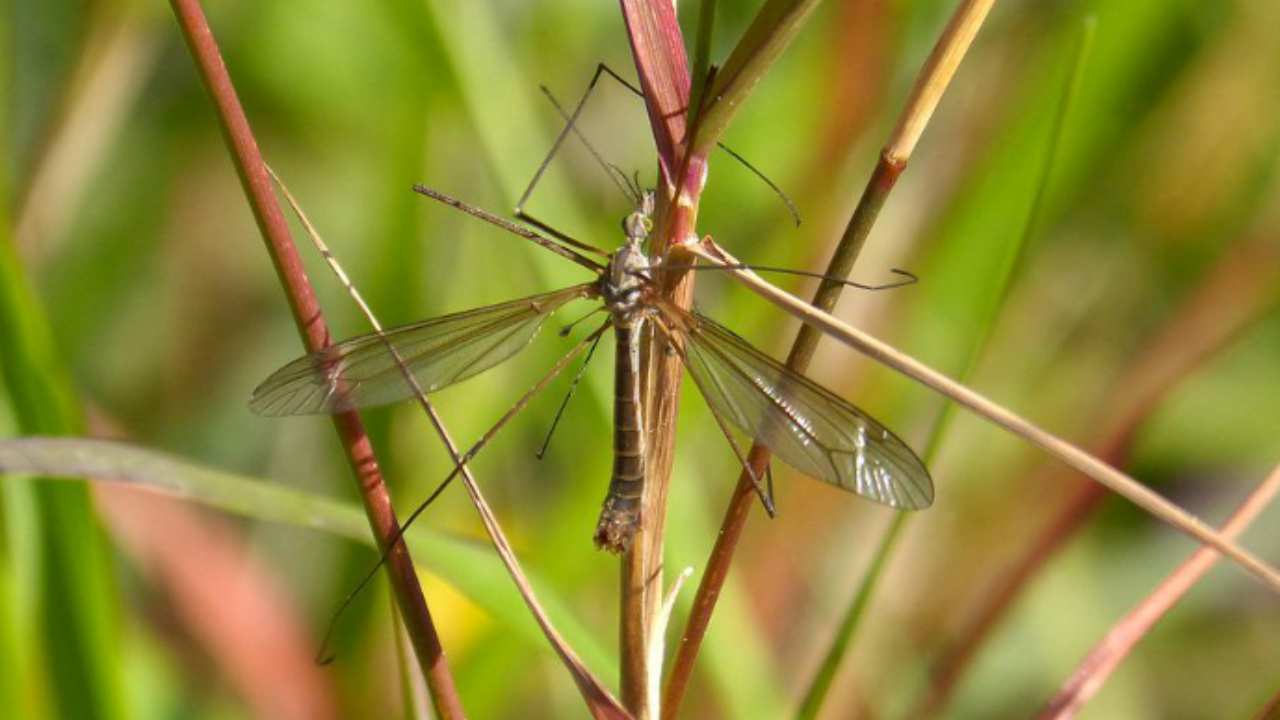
(805, 425)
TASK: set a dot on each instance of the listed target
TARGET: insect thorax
(622, 285)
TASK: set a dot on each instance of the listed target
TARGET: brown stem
(658, 50)
(315, 335)
(1270, 711)
(1070, 454)
(930, 85)
(1125, 634)
(1235, 294)
(878, 187)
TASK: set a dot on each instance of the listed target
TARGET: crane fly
(804, 424)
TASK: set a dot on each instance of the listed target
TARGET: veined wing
(365, 372)
(807, 426)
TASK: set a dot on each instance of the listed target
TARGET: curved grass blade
(364, 371)
(807, 426)
(468, 566)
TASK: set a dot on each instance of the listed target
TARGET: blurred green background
(1140, 317)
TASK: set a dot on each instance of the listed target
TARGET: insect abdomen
(621, 514)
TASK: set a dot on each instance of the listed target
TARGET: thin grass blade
(774, 27)
(73, 603)
(467, 565)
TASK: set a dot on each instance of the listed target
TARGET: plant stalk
(1116, 481)
(315, 335)
(851, 243)
(657, 46)
(1107, 655)
(930, 85)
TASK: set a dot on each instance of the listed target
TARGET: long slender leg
(573, 387)
(763, 491)
(323, 657)
(511, 227)
(564, 132)
(571, 125)
(605, 69)
(619, 178)
(462, 460)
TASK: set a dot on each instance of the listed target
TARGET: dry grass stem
(936, 77)
(932, 81)
(1234, 296)
(315, 335)
(600, 701)
(1082, 461)
(1120, 640)
(661, 64)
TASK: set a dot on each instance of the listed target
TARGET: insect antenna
(908, 278)
(573, 386)
(791, 206)
(635, 192)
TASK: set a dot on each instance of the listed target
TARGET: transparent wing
(803, 423)
(364, 372)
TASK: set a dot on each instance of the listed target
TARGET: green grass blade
(74, 604)
(701, 52)
(1000, 283)
(774, 27)
(469, 566)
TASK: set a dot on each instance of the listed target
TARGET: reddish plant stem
(1270, 711)
(1072, 515)
(864, 216)
(663, 373)
(1107, 655)
(663, 68)
(315, 335)
(1234, 295)
(657, 47)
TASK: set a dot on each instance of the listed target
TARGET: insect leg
(322, 657)
(573, 386)
(570, 126)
